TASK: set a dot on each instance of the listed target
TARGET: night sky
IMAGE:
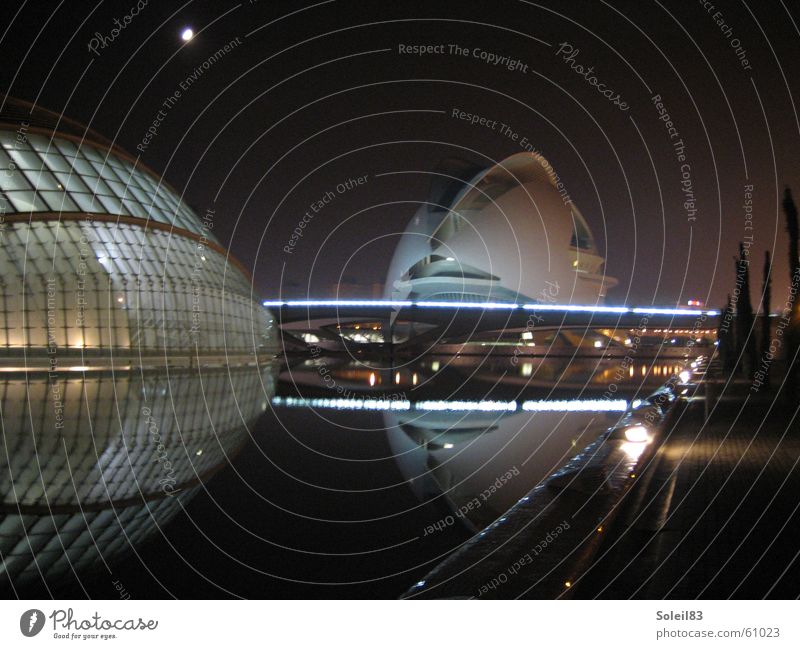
(309, 95)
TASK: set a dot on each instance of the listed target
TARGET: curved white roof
(511, 234)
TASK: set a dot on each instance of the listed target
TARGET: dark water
(361, 476)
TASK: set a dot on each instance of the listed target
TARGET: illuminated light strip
(576, 308)
(569, 308)
(577, 405)
(343, 404)
(75, 368)
(487, 406)
(290, 303)
(660, 311)
(467, 305)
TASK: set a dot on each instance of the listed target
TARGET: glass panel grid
(89, 177)
(92, 284)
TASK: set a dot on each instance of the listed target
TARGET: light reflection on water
(352, 456)
(478, 433)
(93, 464)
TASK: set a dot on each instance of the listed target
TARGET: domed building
(101, 254)
(134, 354)
(508, 234)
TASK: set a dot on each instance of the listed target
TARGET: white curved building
(508, 235)
(134, 354)
(100, 254)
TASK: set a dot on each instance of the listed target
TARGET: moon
(187, 34)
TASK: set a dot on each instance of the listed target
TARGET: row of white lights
(487, 305)
(575, 405)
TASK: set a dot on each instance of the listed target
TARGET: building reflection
(480, 462)
(478, 456)
(476, 433)
(473, 377)
(131, 449)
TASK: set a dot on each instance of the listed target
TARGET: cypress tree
(745, 336)
(790, 210)
(725, 338)
(793, 330)
(766, 299)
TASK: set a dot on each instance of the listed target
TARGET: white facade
(509, 235)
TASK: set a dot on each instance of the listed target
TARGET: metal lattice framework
(133, 353)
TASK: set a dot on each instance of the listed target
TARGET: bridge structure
(345, 324)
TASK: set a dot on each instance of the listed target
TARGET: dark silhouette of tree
(793, 229)
(793, 330)
(725, 338)
(766, 299)
(745, 336)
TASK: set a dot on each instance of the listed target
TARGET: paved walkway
(718, 513)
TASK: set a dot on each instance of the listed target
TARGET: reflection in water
(82, 485)
(483, 462)
(472, 374)
(93, 473)
(542, 405)
(476, 432)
